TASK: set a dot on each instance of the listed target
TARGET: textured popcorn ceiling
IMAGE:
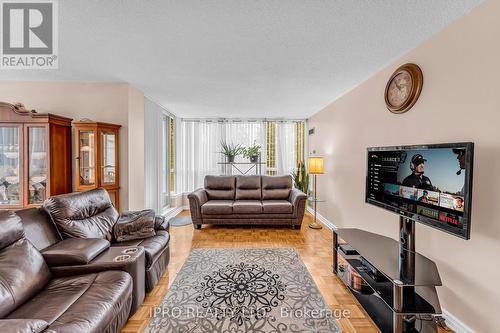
(240, 58)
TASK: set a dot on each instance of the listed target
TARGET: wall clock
(403, 88)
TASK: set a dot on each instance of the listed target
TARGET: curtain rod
(239, 120)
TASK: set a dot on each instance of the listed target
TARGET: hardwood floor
(314, 246)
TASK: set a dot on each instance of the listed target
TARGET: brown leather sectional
(75, 278)
(244, 200)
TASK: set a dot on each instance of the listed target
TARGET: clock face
(399, 89)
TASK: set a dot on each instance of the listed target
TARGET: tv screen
(431, 184)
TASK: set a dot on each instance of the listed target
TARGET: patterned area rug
(243, 291)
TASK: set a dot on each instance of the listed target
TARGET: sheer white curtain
(153, 153)
(286, 154)
(246, 133)
(198, 147)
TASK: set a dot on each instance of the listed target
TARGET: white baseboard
(169, 213)
(322, 219)
(455, 324)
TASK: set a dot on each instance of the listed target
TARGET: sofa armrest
(161, 223)
(104, 262)
(298, 201)
(22, 325)
(74, 251)
(196, 200)
(296, 195)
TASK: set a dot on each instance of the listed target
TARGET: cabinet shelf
(98, 157)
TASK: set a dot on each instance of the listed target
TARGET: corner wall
(459, 102)
(136, 148)
(106, 102)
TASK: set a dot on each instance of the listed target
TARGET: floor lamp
(315, 167)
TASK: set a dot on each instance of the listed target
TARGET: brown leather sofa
(73, 233)
(247, 200)
(91, 214)
(33, 299)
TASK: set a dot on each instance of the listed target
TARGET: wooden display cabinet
(97, 160)
(35, 156)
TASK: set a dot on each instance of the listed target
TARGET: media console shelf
(395, 285)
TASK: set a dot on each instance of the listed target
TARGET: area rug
(178, 221)
(243, 291)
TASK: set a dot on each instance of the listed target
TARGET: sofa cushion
(248, 188)
(83, 214)
(247, 207)
(277, 207)
(22, 325)
(74, 251)
(220, 187)
(84, 303)
(38, 227)
(217, 207)
(11, 228)
(23, 273)
(276, 187)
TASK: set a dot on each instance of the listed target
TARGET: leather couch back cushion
(39, 228)
(83, 214)
(220, 187)
(11, 228)
(248, 188)
(276, 187)
(23, 273)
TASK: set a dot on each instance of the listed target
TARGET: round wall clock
(403, 88)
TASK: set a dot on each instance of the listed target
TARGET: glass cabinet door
(37, 165)
(108, 157)
(10, 172)
(87, 163)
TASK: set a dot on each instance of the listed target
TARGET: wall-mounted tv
(431, 184)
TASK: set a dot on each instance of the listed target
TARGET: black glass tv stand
(394, 284)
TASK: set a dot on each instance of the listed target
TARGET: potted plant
(301, 179)
(252, 153)
(230, 150)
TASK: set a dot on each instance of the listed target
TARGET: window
(168, 160)
(199, 152)
(159, 153)
(271, 148)
(299, 141)
(172, 154)
(278, 139)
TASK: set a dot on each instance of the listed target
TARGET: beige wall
(459, 102)
(136, 148)
(106, 102)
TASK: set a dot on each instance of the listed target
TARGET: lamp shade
(315, 165)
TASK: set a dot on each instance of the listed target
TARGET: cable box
(348, 250)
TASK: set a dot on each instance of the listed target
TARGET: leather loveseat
(33, 299)
(247, 200)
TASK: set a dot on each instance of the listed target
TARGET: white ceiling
(240, 58)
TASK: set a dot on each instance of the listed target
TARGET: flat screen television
(431, 184)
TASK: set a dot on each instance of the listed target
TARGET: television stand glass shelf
(396, 286)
